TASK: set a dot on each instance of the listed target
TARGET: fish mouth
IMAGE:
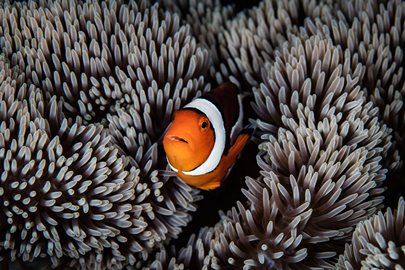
(177, 138)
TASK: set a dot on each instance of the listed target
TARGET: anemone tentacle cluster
(377, 242)
(88, 88)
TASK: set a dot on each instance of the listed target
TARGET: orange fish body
(206, 137)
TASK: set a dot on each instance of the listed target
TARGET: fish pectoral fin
(228, 160)
(210, 185)
(237, 147)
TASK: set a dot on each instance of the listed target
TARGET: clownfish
(206, 136)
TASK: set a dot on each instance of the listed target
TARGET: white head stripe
(215, 117)
(171, 166)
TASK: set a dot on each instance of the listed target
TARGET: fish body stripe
(215, 117)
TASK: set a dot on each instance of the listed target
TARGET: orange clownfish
(206, 136)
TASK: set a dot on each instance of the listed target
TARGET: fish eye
(204, 123)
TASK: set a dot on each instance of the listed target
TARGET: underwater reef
(88, 88)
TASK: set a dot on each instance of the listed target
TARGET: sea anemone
(88, 88)
(66, 191)
(378, 242)
(321, 164)
(374, 33)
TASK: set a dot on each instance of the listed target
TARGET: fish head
(189, 140)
